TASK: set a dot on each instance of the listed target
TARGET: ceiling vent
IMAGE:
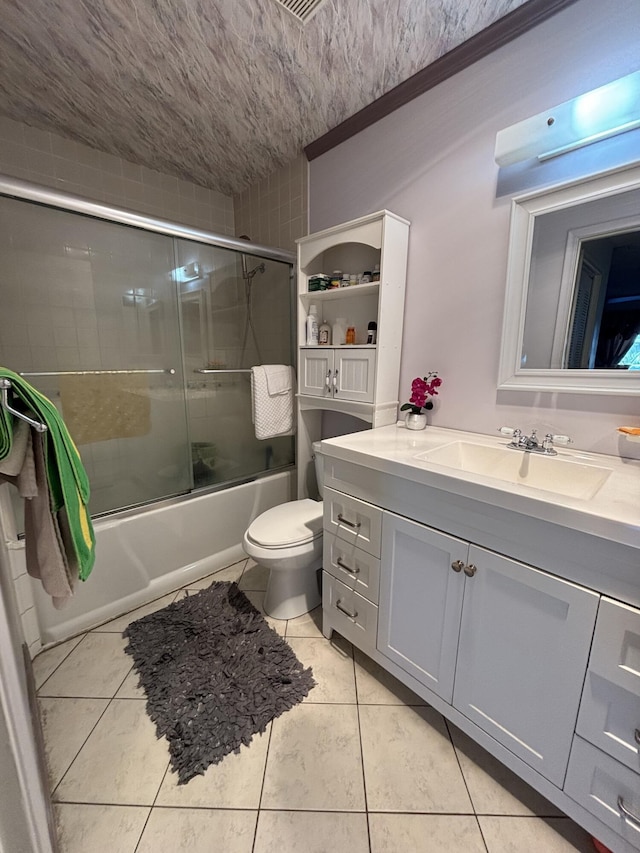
(302, 9)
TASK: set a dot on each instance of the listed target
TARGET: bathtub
(143, 556)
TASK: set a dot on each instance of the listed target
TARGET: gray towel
(25, 468)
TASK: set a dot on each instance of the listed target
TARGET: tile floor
(362, 765)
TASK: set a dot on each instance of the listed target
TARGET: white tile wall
(274, 211)
(53, 161)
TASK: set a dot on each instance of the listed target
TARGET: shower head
(248, 274)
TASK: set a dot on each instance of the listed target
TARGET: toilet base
(292, 592)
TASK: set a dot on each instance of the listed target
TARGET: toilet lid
(288, 524)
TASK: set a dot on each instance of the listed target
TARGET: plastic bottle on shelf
(375, 275)
(324, 334)
(353, 279)
(312, 326)
(350, 337)
(372, 332)
(339, 331)
(336, 279)
(345, 280)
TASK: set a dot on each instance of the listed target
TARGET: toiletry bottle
(324, 334)
(351, 335)
(339, 331)
(345, 280)
(375, 275)
(336, 278)
(366, 277)
(312, 326)
(353, 279)
(372, 332)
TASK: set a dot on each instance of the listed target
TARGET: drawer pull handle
(630, 816)
(344, 610)
(346, 567)
(457, 566)
(470, 570)
(636, 735)
(354, 525)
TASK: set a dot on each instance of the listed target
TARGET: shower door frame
(47, 197)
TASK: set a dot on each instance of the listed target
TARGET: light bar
(596, 115)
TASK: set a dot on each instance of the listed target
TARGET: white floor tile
(410, 833)
(121, 763)
(235, 783)
(307, 625)
(254, 577)
(48, 661)
(89, 828)
(117, 626)
(376, 686)
(332, 665)
(198, 831)
(314, 760)
(551, 835)
(494, 789)
(96, 667)
(313, 832)
(409, 761)
(66, 724)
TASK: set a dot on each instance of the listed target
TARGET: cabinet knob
(457, 566)
(470, 570)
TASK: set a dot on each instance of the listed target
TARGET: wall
(274, 211)
(47, 159)
(432, 162)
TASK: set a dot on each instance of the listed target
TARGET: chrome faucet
(530, 443)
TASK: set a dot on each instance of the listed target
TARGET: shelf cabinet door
(420, 601)
(522, 656)
(316, 372)
(354, 374)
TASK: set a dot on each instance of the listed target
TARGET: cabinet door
(316, 371)
(522, 657)
(420, 601)
(354, 374)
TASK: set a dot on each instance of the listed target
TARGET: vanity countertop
(613, 513)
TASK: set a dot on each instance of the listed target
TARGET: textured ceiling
(219, 92)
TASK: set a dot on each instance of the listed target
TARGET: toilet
(287, 539)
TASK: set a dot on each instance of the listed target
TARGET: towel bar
(169, 370)
(222, 370)
(5, 386)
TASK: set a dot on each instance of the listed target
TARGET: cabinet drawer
(610, 709)
(353, 566)
(353, 521)
(604, 787)
(349, 613)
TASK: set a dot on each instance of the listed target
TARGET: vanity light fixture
(599, 114)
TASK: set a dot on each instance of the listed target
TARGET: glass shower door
(90, 317)
(236, 313)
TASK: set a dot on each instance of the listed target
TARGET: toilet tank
(318, 460)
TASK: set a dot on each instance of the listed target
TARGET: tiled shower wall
(274, 211)
(47, 159)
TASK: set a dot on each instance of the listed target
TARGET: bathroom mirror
(572, 309)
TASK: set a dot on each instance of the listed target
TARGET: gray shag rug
(214, 674)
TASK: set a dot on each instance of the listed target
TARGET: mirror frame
(524, 211)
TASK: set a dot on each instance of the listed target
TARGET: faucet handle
(505, 430)
(561, 439)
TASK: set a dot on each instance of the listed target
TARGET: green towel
(68, 481)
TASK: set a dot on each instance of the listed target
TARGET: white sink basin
(565, 477)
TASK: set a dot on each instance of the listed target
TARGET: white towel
(271, 413)
(279, 378)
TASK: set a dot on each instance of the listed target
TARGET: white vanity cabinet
(504, 643)
(516, 618)
(604, 769)
(338, 373)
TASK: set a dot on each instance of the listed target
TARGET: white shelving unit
(362, 379)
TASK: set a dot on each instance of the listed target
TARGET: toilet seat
(292, 523)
